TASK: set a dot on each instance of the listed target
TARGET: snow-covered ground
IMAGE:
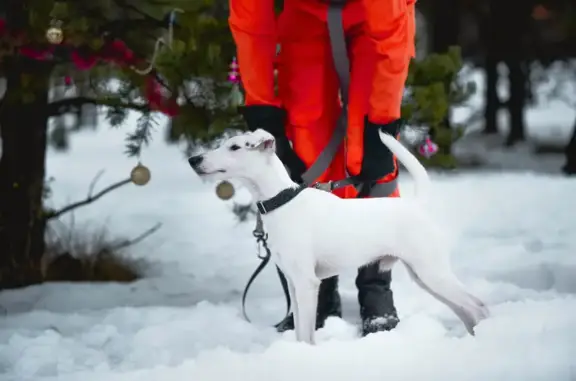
(514, 247)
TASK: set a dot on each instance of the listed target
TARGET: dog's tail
(416, 169)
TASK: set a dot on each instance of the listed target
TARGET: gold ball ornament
(225, 190)
(55, 35)
(140, 175)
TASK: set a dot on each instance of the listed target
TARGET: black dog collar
(279, 200)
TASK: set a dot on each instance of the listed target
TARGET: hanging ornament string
(225, 189)
(140, 174)
(160, 42)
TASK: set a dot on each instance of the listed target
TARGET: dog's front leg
(295, 313)
(306, 291)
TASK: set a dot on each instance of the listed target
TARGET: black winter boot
(328, 305)
(376, 301)
(273, 120)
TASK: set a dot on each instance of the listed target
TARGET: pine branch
(141, 136)
(148, 18)
(113, 27)
(68, 105)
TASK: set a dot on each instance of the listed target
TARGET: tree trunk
(491, 95)
(517, 101)
(23, 125)
(445, 25)
(506, 42)
(516, 49)
(569, 167)
(445, 21)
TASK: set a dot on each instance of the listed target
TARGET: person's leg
(375, 296)
(308, 89)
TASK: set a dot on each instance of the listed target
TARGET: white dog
(314, 234)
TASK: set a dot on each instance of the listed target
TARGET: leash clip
(327, 186)
(261, 238)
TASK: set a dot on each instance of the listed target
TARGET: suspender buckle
(327, 187)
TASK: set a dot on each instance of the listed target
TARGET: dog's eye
(234, 147)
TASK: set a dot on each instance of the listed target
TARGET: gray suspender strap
(342, 65)
(339, 52)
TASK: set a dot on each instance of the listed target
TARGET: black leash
(262, 241)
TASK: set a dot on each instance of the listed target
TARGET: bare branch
(90, 198)
(94, 181)
(137, 239)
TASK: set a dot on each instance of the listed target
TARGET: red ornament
(171, 107)
(82, 63)
(119, 46)
(114, 51)
(157, 101)
(129, 57)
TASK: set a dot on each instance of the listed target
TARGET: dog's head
(242, 156)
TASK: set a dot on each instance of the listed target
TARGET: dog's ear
(266, 143)
(263, 141)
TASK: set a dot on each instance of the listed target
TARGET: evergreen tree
(62, 56)
(435, 85)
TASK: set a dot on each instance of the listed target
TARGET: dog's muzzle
(195, 161)
(196, 164)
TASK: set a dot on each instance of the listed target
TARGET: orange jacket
(391, 23)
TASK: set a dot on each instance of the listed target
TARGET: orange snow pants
(380, 44)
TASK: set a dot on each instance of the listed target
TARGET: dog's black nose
(195, 161)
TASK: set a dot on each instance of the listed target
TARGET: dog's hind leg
(443, 285)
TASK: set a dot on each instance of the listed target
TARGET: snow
(514, 247)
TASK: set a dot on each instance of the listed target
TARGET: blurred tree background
(516, 45)
(61, 61)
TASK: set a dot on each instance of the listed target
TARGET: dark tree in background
(490, 32)
(505, 29)
(444, 19)
(569, 167)
(445, 30)
(104, 59)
